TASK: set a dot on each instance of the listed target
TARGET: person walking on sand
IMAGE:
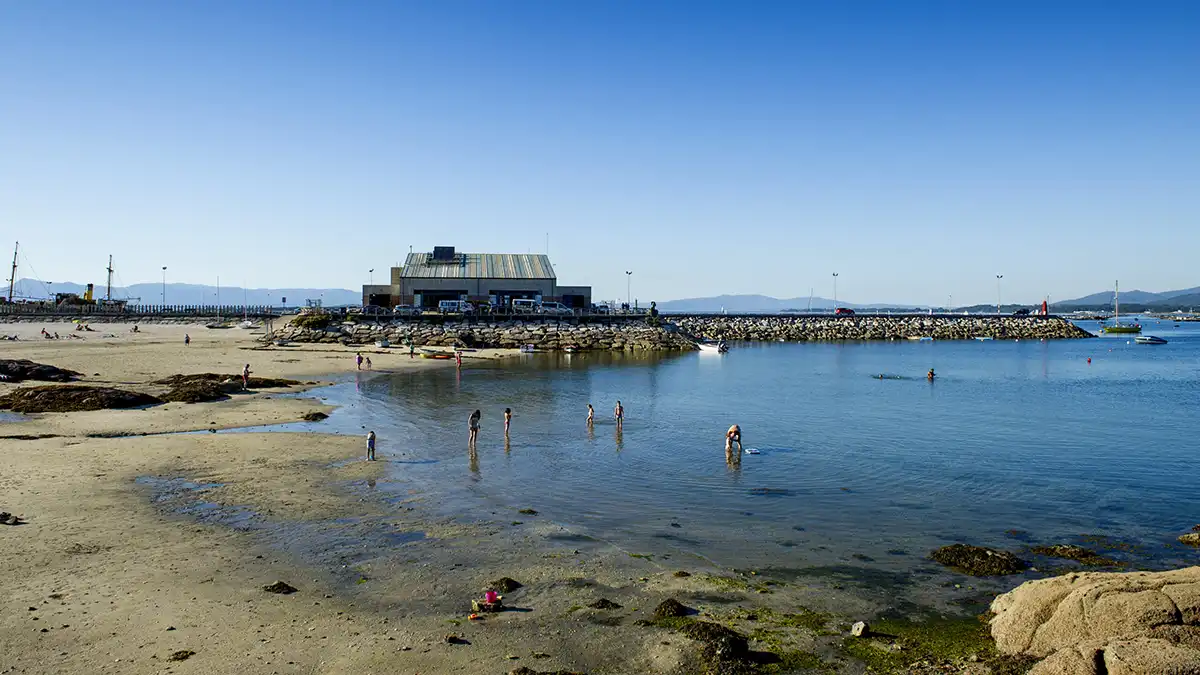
(370, 446)
(734, 435)
(411, 349)
(368, 360)
(507, 420)
(187, 339)
(473, 425)
(246, 377)
(619, 413)
(591, 415)
(358, 359)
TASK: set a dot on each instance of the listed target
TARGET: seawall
(677, 332)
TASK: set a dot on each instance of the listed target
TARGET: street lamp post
(835, 276)
(628, 288)
(998, 278)
(164, 292)
(371, 276)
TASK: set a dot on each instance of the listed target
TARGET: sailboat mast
(13, 280)
(108, 292)
(1116, 301)
(218, 299)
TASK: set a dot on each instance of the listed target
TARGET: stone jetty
(675, 332)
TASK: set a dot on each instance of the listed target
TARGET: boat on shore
(1149, 340)
(436, 355)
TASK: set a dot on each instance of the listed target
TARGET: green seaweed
(643, 556)
(939, 639)
(795, 660)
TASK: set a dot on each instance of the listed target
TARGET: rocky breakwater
(808, 328)
(549, 335)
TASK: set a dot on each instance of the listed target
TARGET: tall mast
(13, 280)
(108, 293)
(1116, 301)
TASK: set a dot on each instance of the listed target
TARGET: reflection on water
(1013, 436)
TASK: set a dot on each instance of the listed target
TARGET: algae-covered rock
(19, 370)
(1076, 553)
(315, 416)
(978, 561)
(604, 603)
(280, 587)
(73, 398)
(1191, 539)
(670, 608)
(503, 585)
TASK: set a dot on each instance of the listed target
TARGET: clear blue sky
(916, 148)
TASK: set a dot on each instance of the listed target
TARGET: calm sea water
(1024, 436)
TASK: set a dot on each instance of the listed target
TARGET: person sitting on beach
(507, 419)
(591, 415)
(619, 413)
(734, 435)
(473, 425)
(134, 329)
(930, 375)
(370, 446)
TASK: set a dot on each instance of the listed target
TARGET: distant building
(494, 279)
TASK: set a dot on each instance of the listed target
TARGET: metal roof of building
(479, 266)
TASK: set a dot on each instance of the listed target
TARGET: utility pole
(835, 275)
(628, 287)
(13, 280)
(998, 278)
(108, 291)
(164, 298)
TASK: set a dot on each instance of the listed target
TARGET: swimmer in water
(734, 435)
(930, 375)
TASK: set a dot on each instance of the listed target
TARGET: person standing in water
(370, 446)
(734, 435)
(358, 359)
(507, 420)
(246, 377)
(591, 415)
(930, 375)
(458, 359)
(619, 413)
(473, 426)
(368, 360)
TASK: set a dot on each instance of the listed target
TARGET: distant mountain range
(738, 304)
(192, 294)
(1135, 297)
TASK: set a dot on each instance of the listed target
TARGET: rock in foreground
(73, 398)
(1104, 622)
(978, 561)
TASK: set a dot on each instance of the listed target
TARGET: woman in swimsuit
(473, 424)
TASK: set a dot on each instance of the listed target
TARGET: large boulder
(73, 398)
(19, 370)
(1098, 622)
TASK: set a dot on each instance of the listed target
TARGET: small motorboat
(713, 347)
(983, 338)
(1149, 340)
(245, 325)
(437, 355)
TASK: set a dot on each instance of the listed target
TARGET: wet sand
(140, 547)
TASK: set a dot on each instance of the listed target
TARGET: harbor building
(494, 279)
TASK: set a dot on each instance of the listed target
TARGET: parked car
(524, 306)
(1024, 311)
(455, 307)
(373, 310)
(555, 308)
(406, 310)
(843, 311)
(601, 308)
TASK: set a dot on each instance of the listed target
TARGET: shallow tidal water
(1014, 444)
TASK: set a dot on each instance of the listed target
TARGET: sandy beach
(147, 550)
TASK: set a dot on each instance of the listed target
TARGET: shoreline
(138, 548)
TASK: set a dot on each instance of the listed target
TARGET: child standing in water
(473, 425)
(619, 413)
(370, 446)
(591, 415)
(507, 419)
